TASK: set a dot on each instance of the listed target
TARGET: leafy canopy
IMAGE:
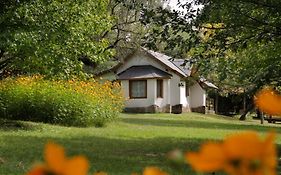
(235, 43)
(49, 37)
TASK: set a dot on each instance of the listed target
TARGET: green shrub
(70, 103)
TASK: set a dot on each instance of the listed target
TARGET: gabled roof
(143, 72)
(174, 65)
(167, 61)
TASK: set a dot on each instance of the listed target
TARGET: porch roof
(206, 83)
(143, 72)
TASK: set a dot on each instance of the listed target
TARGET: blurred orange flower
(153, 171)
(58, 164)
(268, 101)
(240, 154)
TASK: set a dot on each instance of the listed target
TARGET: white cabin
(152, 82)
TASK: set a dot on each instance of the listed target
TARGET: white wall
(178, 95)
(197, 96)
(162, 102)
(151, 95)
(183, 100)
(175, 90)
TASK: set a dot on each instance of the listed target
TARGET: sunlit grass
(128, 145)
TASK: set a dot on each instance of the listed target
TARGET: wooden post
(244, 101)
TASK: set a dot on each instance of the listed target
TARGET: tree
(52, 37)
(251, 31)
(126, 31)
(234, 43)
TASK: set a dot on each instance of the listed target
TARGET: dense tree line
(236, 44)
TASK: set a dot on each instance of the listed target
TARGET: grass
(128, 145)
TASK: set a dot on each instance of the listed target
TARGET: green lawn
(125, 146)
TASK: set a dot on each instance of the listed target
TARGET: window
(186, 89)
(159, 88)
(137, 88)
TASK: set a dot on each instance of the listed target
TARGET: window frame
(131, 86)
(161, 88)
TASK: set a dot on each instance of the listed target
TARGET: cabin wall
(197, 98)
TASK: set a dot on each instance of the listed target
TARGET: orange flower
(58, 164)
(210, 158)
(153, 171)
(240, 154)
(246, 154)
(268, 101)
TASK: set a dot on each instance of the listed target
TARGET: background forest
(234, 44)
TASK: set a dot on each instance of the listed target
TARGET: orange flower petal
(76, 166)
(246, 145)
(268, 101)
(153, 171)
(37, 170)
(249, 155)
(240, 154)
(209, 159)
(269, 154)
(55, 158)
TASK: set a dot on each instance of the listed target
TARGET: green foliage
(170, 31)
(49, 37)
(247, 45)
(64, 103)
(235, 44)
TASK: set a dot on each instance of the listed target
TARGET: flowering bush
(71, 103)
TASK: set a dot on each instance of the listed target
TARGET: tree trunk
(262, 118)
(248, 109)
(217, 103)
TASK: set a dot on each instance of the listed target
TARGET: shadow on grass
(115, 156)
(11, 125)
(194, 124)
